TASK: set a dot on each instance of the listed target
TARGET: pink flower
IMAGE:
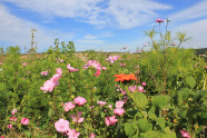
(13, 118)
(112, 58)
(123, 92)
(101, 103)
(80, 100)
(71, 69)
(104, 68)
(72, 133)
(141, 89)
(1, 63)
(24, 64)
(184, 133)
(49, 85)
(92, 135)
(53, 82)
(25, 121)
(122, 64)
(125, 99)
(68, 106)
(138, 51)
(93, 63)
(173, 44)
(60, 60)
(119, 104)
(14, 111)
(9, 126)
(119, 111)
(56, 77)
(144, 84)
(137, 67)
(91, 107)
(159, 20)
(59, 71)
(111, 120)
(2, 137)
(77, 118)
(44, 73)
(98, 73)
(110, 106)
(132, 88)
(62, 125)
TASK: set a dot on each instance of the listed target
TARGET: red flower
(123, 77)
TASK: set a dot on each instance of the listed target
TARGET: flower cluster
(62, 125)
(24, 121)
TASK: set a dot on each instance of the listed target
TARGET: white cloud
(85, 44)
(198, 31)
(16, 31)
(89, 36)
(134, 12)
(93, 42)
(118, 13)
(196, 11)
(106, 34)
(62, 8)
(196, 28)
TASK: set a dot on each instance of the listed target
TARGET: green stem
(204, 85)
(160, 32)
(192, 134)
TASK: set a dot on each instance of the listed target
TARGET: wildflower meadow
(156, 93)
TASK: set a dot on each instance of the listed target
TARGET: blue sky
(99, 24)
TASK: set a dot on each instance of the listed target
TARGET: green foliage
(191, 82)
(130, 128)
(140, 100)
(175, 97)
(160, 102)
(144, 125)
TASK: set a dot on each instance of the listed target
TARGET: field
(159, 92)
(97, 94)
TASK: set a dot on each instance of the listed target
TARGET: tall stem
(160, 31)
(204, 85)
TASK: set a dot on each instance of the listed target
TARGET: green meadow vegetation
(61, 93)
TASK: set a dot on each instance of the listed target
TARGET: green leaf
(51, 112)
(151, 113)
(149, 134)
(167, 134)
(130, 128)
(184, 93)
(28, 133)
(160, 101)
(144, 125)
(134, 113)
(204, 104)
(190, 81)
(158, 134)
(140, 99)
(134, 136)
(73, 88)
(182, 113)
(161, 123)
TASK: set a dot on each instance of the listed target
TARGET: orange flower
(123, 77)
